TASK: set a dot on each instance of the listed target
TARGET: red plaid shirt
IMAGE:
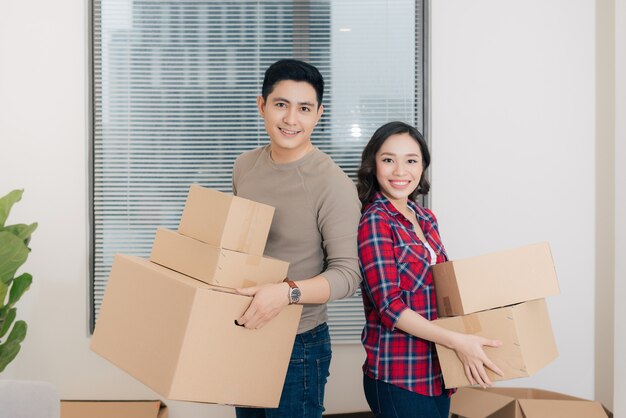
(397, 276)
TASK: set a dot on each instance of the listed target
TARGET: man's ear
(260, 104)
(320, 112)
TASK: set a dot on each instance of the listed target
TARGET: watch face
(294, 295)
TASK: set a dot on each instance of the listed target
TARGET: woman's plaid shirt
(397, 276)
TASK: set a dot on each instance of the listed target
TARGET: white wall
(619, 400)
(513, 142)
(605, 201)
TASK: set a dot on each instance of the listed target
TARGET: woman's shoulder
(375, 211)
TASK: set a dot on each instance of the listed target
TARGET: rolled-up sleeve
(377, 262)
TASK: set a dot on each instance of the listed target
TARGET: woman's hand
(267, 302)
(469, 349)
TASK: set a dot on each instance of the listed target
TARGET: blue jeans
(303, 392)
(390, 401)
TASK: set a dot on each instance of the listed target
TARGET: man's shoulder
(248, 159)
(322, 166)
(250, 155)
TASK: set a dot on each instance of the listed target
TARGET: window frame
(421, 116)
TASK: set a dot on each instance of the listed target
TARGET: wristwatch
(294, 292)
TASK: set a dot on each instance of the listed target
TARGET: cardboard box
(226, 221)
(521, 403)
(178, 336)
(215, 265)
(527, 341)
(494, 280)
(113, 409)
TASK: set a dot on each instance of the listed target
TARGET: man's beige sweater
(315, 223)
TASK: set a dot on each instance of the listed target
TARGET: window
(174, 88)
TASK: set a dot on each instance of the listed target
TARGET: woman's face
(399, 167)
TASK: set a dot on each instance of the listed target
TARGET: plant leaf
(8, 351)
(22, 231)
(13, 253)
(20, 285)
(4, 288)
(8, 321)
(7, 202)
(18, 333)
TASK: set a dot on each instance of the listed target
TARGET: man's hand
(469, 349)
(267, 302)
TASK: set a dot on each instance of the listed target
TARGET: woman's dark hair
(294, 70)
(367, 185)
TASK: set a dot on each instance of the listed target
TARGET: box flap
(194, 221)
(448, 296)
(113, 409)
(477, 403)
(543, 408)
(533, 325)
(248, 226)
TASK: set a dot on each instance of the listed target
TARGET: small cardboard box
(113, 409)
(226, 221)
(524, 330)
(178, 336)
(521, 403)
(494, 280)
(215, 265)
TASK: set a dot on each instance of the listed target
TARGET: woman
(398, 242)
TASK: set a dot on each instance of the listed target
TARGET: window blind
(174, 89)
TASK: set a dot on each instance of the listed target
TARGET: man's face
(290, 112)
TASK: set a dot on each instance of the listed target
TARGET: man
(314, 229)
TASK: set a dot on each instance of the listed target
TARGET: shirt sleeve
(338, 220)
(377, 260)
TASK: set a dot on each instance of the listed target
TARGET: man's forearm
(314, 290)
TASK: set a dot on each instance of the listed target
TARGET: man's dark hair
(367, 185)
(295, 70)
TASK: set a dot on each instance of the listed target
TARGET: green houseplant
(14, 251)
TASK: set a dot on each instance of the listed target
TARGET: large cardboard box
(521, 403)
(494, 280)
(226, 221)
(113, 409)
(524, 330)
(214, 265)
(178, 336)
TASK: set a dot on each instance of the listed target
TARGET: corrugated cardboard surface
(495, 280)
(524, 330)
(226, 221)
(178, 336)
(521, 403)
(213, 265)
(113, 409)
(248, 226)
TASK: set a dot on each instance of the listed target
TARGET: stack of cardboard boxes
(499, 296)
(170, 321)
